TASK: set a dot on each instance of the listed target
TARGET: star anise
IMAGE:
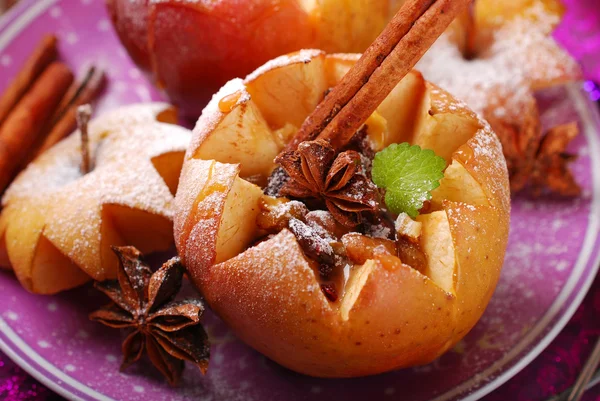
(536, 159)
(551, 168)
(143, 302)
(316, 171)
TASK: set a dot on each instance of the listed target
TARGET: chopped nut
(407, 227)
(277, 212)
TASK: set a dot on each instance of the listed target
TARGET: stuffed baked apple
(343, 235)
(191, 48)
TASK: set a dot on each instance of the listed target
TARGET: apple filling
(247, 126)
(333, 249)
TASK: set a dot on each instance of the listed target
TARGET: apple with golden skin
(389, 315)
(57, 225)
(191, 48)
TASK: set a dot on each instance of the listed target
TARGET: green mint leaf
(408, 174)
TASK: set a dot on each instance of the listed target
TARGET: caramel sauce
(228, 102)
(466, 154)
(334, 284)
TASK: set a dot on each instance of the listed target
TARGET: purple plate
(552, 259)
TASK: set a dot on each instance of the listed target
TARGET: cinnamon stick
(24, 124)
(43, 55)
(64, 121)
(394, 53)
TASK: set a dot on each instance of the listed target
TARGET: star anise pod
(535, 159)
(551, 168)
(143, 302)
(316, 171)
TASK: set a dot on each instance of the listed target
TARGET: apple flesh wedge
(441, 126)
(388, 314)
(221, 204)
(295, 93)
(241, 136)
(436, 242)
(458, 185)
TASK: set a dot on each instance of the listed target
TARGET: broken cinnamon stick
(24, 124)
(394, 53)
(43, 55)
(64, 122)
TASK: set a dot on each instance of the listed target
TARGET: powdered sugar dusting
(304, 56)
(522, 55)
(211, 115)
(69, 204)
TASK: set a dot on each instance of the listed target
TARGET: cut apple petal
(443, 124)
(52, 271)
(22, 236)
(436, 242)
(356, 282)
(242, 136)
(390, 292)
(168, 166)
(478, 262)
(109, 237)
(146, 231)
(289, 88)
(482, 157)
(458, 185)
(238, 228)
(199, 172)
(337, 65)
(200, 210)
(400, 107)
(274, 267)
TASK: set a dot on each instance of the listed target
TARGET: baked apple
(329, 296)
(58, 225)
(191, 48)
(495, 58)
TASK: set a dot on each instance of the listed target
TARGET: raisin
(313, 245)
(330, 292)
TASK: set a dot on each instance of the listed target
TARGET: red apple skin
(193, 48)
(130, 19)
